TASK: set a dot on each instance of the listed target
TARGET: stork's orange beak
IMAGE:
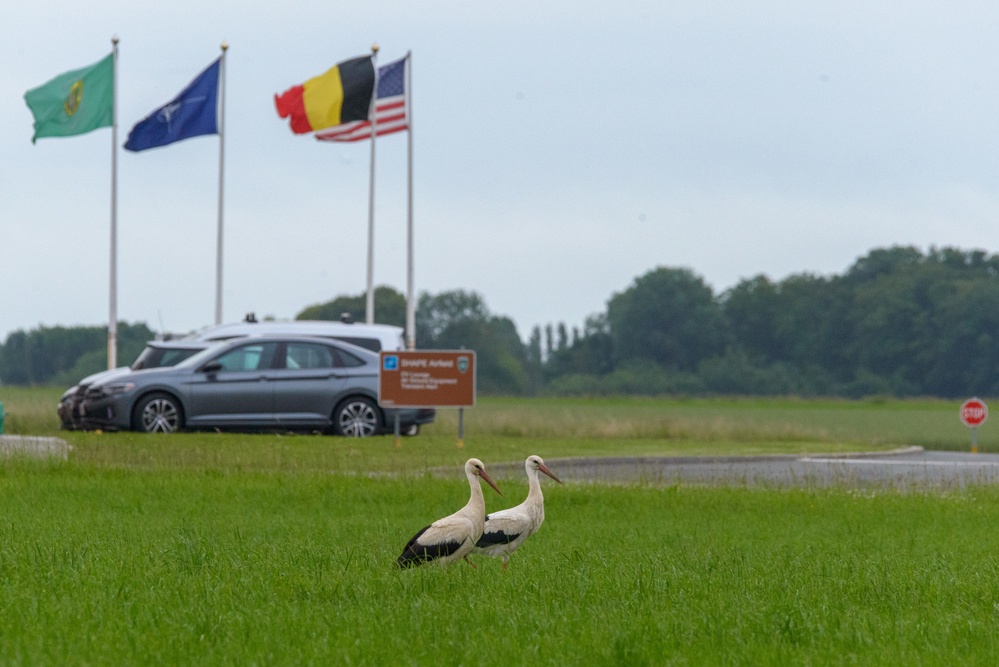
(483, 475)
(543, 468)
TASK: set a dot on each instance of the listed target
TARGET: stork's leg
(465, 558)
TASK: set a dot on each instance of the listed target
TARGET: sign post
(428, 379)
(974, 412)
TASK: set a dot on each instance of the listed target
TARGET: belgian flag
(340, 95)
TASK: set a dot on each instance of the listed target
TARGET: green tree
(591, 353)
(50, 355)
(812, 323)
(535, 361)
(667, 316)
(563, 337)
(965, 327)
(751, 309)
(439, 317)
(390, 308)
(460, 320)
(883, 261)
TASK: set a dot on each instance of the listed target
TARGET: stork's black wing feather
(416, 553)
(494, 538)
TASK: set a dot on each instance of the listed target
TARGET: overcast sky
(561, 150)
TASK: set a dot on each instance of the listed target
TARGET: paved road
(908, 468)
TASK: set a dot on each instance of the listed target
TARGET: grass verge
(177, 567)
(222, 549)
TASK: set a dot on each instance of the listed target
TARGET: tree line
(898, 322)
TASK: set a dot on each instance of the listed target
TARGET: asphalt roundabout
(905, 468)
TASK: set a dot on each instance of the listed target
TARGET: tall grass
(631, 426)
(874, 422)
(177, 567)
(30, 410)
(276, 549)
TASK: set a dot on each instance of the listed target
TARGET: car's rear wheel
(357, 417)
(158, 413)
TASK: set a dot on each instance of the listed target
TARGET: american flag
(390, 108)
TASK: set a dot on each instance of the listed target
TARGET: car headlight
(116, 389)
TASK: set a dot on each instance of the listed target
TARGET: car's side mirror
(211, 367)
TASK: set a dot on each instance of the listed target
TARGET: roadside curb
(34, 446)
(900, 451)
(684, 460)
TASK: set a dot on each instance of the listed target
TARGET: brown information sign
(426, 378)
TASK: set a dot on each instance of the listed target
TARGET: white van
(374, 337)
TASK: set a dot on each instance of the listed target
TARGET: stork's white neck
(534, 485)
(476, 507)
(476, 488)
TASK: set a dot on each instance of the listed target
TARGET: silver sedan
(258, 383)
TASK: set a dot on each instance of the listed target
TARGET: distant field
(506, 427)
(224, 549)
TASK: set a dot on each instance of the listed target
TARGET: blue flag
(191, 114)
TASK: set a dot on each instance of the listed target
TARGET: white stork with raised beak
(507, 529)
(453, 537)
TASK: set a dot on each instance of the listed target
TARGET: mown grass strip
(219, 549)
(114, 566)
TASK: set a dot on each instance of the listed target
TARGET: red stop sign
(974, 412)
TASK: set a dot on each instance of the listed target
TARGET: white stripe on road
(948, 464)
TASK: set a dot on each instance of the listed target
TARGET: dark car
(157, 354)
(259, 383)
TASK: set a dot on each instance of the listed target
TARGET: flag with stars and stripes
(390, 108)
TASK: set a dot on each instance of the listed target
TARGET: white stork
(508, 529)
(453, 537)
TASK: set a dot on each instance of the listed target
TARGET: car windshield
(161, 357)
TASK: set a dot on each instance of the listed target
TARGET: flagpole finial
(114, 40)
(224, 45)
(374, 48)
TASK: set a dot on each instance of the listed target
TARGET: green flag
(75, 102)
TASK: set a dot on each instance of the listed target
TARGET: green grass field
(226, 549)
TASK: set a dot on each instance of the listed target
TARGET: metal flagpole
(113, 296)
(410, 301)
(218, 250)
(369, 306)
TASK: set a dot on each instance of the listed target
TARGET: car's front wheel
(357, 417)
(158, 413)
